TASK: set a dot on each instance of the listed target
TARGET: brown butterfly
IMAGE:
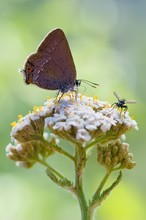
(52, 66)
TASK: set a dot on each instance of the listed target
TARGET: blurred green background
(107, 40)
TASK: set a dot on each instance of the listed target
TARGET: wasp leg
(114, 104)
(125, 108)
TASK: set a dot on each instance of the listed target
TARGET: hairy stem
(96, 196)
(80, 161)
(50, 168)
(56, 148)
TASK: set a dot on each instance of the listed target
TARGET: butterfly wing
(56, 46)
(53, 65)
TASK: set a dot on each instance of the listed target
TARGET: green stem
(56, 148)
(96, 141)
(60, 150)
(82, 202)
(106, 137)
(49, 168)
(96, 196)
(80, 160)
(97, 193)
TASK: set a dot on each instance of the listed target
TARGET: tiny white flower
(123, 137)
(19, 147)
(91, 127)
(83, 135)
(53, 136)
(34, 117)
(45, 135)
(21, 164)
(9, 147)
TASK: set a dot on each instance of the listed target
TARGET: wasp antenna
(130, 101)
(116, 94)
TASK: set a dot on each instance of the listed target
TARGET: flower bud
(115, 155)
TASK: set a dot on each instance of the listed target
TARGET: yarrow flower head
(82, 120)
(115, 155)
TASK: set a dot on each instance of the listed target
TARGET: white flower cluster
(87, 114)
(38, 113)
(84, 115)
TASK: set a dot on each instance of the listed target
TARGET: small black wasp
(121, 103)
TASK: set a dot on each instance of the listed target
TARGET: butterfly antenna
(92, 84)
(20, 70)
(83, 87)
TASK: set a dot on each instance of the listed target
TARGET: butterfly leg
(75, 90)
(56, 97)
(76, 94)
(62, 93)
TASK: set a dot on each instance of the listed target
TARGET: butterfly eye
(29, 75)
(30, 69)
(29, 78)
